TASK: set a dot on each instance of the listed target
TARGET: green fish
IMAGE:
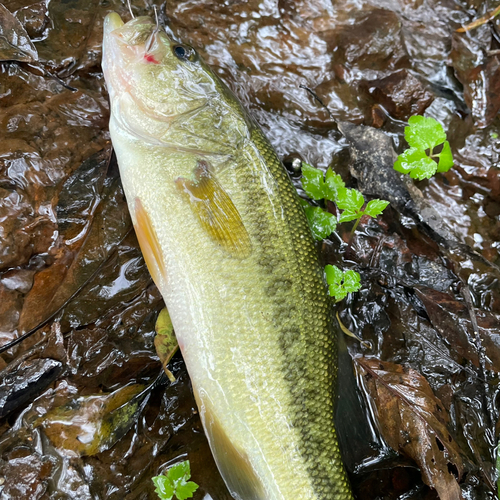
(228, 245)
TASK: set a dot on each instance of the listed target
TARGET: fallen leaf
(15, 44)
(91, 424)
(479, 22)
(93, 219)
(480, 77)
(413, 421)
(451, 319)
(165, 341)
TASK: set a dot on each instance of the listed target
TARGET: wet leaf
(92, 424)
(479, 75)
(340, 283)
(321, 222)
(451, 319)
(479, 22)
(375, 207)
(94, 219)
(413, 421)
(350, 200)
(445, 158)
(175, 482)
(424, 133)
(165, 341)
(15, 44)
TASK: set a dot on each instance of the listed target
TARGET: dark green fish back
(303, 316)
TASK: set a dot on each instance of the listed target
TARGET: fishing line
(130, 9)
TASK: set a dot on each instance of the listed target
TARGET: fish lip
(112, 22)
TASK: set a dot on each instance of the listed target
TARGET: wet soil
(72, 276)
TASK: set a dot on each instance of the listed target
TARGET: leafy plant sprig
(340, 283)
(351, 201)
(429, 150)
(175, 483)
(331, 187)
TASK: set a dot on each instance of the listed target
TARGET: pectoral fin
(234, 465)
(149, 244)
(215, 210)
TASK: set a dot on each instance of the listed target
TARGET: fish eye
(184, 53)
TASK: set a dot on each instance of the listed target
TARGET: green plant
(175, 483)
(340, 283)
(351, 201)
(429, 150)
(321, 222)
(331, 187)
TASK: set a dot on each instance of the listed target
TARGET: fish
(228, 245)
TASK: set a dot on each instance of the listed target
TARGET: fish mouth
(124, 45)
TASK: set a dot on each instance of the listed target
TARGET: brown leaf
(93, 219)
(413, 421)
(481, 81)
(451, 319)
(15, 44)
(91, 424)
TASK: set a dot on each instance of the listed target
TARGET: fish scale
(228, 244)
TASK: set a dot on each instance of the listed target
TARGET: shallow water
(71, 268)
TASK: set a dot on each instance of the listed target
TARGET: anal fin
(234, 465)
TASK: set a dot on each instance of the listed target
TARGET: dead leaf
(413, 421)
(479, 22)
(15, 44)
(480, 77)
(93, 219)
(165, 341)
(91, 424)
(451, 319)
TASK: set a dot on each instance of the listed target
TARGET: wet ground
(72, 273)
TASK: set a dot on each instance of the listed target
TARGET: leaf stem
(354, 228)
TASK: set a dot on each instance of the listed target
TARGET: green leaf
(312, 182)
(424, 133)
(375, 207)
(416, 163)
(420, 161)
(349, 199)
(337, 291)
(341, 283)
(333, 183)
(175, 483)
(445, 158)
(333, 274)
(351, 281)
(186, 490)
(164, 487)
(321, 222)
(320, 187)
(347, 216)
(179, 471)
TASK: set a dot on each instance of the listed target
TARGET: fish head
(154, 81)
